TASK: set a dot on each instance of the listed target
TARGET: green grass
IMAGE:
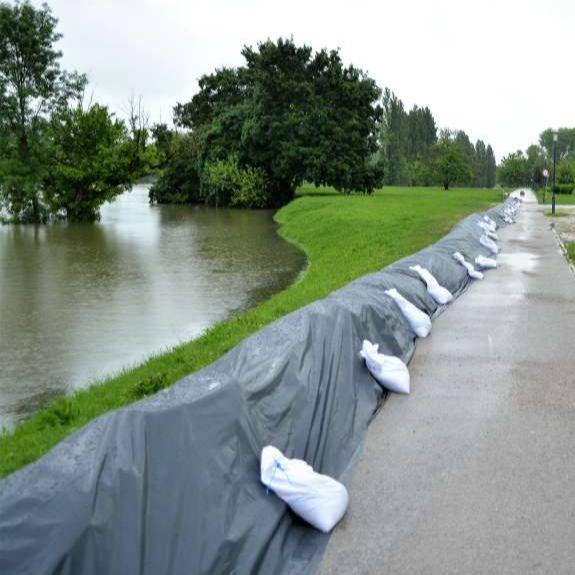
(343, 237)
(558, 214)
(565, 199)
(571, 252)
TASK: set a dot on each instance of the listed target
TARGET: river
(79, 302)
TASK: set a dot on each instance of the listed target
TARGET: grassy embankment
(343, 237)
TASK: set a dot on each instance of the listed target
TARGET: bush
(179, 183)
(563, 188)
(225, 183)
(60, 412)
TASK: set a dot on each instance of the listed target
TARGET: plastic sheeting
(170, 485)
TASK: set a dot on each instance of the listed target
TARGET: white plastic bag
(491, 223)
(485, 263)
(489, 244)
(487, 230)
(318, 499)
(418, 320)
(440, 294)
(472, 272)
(388, 370)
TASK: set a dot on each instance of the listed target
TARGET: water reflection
(79, 302)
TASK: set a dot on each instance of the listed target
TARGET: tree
(565, 146)
(138, 123)
(490, 167)
(290, 113)
(392, 143)
(164, 139)
(566, 172)
(91, 164)
(32, 87)
(480, 165)
(514, 170)
(536, 159)
(452, 165)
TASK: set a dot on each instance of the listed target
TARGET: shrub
(564, 188)
(179, 183)
(60, 412)
(225, 183)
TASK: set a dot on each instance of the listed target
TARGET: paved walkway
(474, 472)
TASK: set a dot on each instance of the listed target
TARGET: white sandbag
(388, 370)
(440, 294)
(508, 220)
(486, 226)
(491, 222)
(489, 244)
(318, 499)
(418, 320)
(472, 272)
(487, 230)
(485, 263)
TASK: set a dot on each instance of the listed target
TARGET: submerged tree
(91, 163)
(32, 87)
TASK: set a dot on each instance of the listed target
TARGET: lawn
(343, 237)
(565, 199)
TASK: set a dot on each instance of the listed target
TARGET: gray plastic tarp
(170, 485)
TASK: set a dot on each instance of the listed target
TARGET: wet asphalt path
(474, 472)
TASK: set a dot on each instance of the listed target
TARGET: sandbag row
(171, 485)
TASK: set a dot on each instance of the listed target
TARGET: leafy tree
(463, 142)
(514, 170)
(536, 158)
(180, 182)
(164, 139)
(565, 172)
(32, 87)
(452, 165)
(565, 146)
(91, 162)
(291, 113)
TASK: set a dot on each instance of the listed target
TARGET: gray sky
(501, 71)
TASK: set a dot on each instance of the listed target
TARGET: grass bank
(343, 237)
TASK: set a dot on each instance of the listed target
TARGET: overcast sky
(502, 71)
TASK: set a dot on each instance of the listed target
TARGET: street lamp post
(555, 136)
(546, 176)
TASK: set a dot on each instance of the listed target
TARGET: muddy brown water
(81, 302)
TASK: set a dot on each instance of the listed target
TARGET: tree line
(248, 138)
(521, 169)
(412, 152)
(289, 115)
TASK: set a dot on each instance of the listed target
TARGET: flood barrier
(170, 485)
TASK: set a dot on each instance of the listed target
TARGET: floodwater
(79, 302)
